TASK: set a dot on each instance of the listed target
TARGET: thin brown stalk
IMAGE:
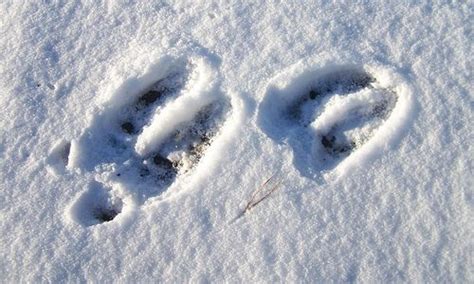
(255, 199)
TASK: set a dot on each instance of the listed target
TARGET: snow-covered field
(261, 141)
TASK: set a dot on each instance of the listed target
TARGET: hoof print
(328, 115)
(147, 141)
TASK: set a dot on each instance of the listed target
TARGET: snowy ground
(133, 135)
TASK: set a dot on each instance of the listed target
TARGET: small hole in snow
(148, 98)
(128, 127)
(105, 214)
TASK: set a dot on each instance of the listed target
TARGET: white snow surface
(361, 113)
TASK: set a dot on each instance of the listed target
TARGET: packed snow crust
(135, 134)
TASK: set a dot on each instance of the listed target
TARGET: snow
(133, 134)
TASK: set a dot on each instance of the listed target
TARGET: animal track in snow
(98, 204)
(335, 117)
(139, 143)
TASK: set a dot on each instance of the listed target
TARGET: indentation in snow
(146, 140)
(336, 117)
(96, 205)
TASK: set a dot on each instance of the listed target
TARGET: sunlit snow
(229, 141)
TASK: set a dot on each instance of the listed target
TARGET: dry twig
(261, 194)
